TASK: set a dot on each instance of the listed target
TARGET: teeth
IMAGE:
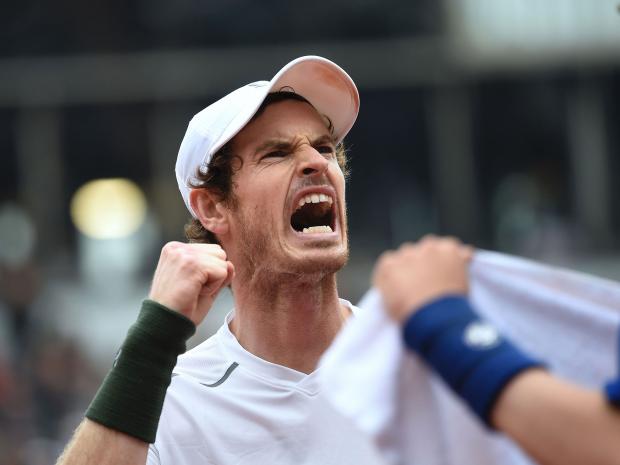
(314, 198)
(317, 229)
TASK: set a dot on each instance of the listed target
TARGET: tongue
(311, 215)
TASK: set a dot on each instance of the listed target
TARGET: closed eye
(325, 149)
(275, 154)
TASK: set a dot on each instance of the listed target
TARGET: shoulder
(194, 397)
(349, 306)
(204, 363)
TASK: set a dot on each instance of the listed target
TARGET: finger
(388, 254)
(448, 244)
(231, 274)
(467, 252)
(220, 273)
(428, 238)
(212, 287)
(230, 270)
(385, 258)
(452, 240)
(384, 267)
(214, 269)
(211, 250)
(407, 246)
(214, 284)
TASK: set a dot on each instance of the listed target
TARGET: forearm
(554, 421)
(557, 422)
(123, 417)
(94, 444)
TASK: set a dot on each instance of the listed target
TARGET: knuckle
(445, 245)
(467, 250)
(168, 248)
(172, 251)
(427, 246)
(453, 242)
(390, 259)
(429, 238)
(408, 249)
(216, 250)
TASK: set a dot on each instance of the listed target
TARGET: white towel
(568, 319)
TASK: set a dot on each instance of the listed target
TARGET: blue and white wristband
(612, 389)
(467, 352)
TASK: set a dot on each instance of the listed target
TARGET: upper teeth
(314, 198)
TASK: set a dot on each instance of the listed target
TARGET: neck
(285, 319)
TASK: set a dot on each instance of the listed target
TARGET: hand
(418, 273)
(189, 277)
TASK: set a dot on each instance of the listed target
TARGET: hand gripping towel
(569, 320)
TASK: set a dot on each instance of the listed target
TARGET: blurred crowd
(45, 380)
(62, 319)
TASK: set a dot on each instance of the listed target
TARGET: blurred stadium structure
(492, 120)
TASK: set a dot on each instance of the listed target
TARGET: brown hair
(224, 164)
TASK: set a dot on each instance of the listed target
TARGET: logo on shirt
(480, 335)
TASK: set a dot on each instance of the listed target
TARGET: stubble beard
(260, 258)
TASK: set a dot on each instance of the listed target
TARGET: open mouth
(314, 214)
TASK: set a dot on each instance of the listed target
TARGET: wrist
(612, 391)
(405, 309)
(173, 314)
(468, 353)
(131, 397)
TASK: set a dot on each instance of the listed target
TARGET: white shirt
(227, 406)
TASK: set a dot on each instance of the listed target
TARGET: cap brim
(323, 83)
(326, 86)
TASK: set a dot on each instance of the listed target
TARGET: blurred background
(492, 120)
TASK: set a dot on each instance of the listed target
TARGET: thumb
(203, 305)
(212, 287)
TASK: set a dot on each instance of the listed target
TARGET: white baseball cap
(323, 83)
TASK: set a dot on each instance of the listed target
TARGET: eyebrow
(284, 144)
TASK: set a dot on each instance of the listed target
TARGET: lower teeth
(317, 229)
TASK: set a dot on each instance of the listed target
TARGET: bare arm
(93, 443)
(557, 422)
(187, 280)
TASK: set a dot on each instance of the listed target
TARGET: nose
(312, 162)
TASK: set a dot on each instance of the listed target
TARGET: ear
(210, 210)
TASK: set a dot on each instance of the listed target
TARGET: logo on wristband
(118, 355)
(480, 335)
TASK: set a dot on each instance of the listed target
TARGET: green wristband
(132, 395)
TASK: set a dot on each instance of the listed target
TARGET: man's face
(290, 212)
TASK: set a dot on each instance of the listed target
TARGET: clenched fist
(418, 273)
(189, 277)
